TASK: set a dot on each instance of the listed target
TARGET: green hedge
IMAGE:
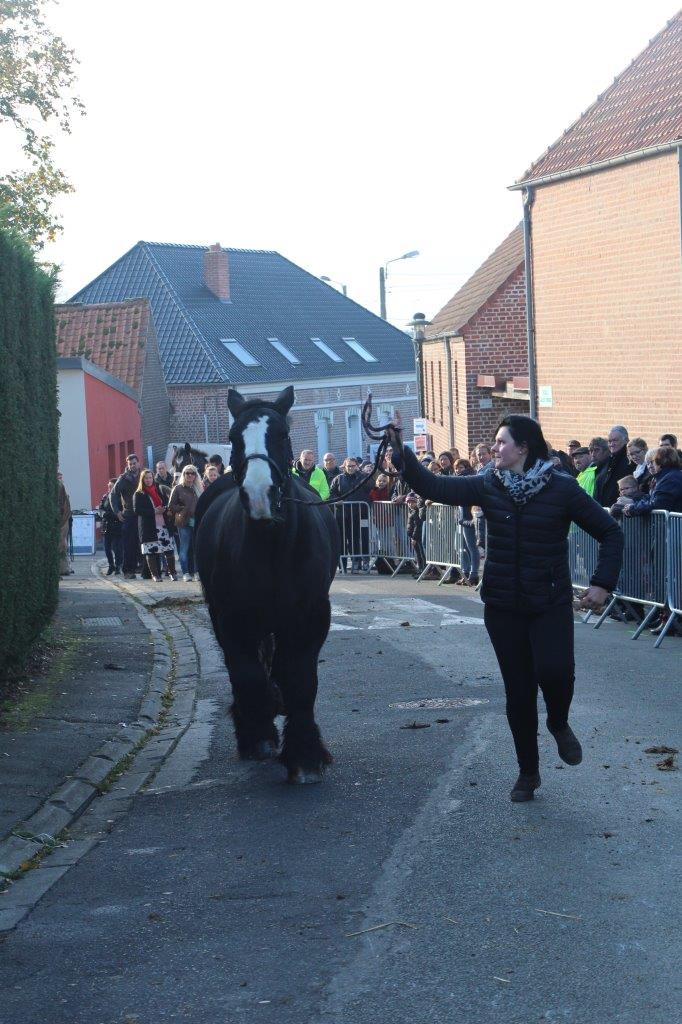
(29, 530)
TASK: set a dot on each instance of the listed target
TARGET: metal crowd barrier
(674, 551)
(645, 576)
(389, 533)
(353, 521)
(443, 540)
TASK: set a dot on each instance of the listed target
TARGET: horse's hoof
(263, 750)
(304, 776)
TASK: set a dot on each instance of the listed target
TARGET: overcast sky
(341, 134)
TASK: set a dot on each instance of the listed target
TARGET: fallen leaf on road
(667, 764)
(110, 667)
(661, 750)
(154, 917)
(417, 725)
(404, 623)
(442, 721)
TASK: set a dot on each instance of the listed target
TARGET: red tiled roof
(113, 335)
(640, 110)
(490, 276)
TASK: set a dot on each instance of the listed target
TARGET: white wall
(74, 461)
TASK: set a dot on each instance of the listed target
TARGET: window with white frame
(360, 350)
(323, 347)
(284, 351)
(324, 419)
(239, 352)
(353, 433)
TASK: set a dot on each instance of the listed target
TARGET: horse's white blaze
(258, 478)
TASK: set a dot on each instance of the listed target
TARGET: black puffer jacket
(526, 568)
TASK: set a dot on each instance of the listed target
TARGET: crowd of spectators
(149, 515)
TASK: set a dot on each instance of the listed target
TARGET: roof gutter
(599, 165)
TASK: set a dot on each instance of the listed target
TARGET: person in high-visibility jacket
(305, 468)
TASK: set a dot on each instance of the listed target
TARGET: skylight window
(327, 350)
(359, 350)
(284, 351)
(239, 352)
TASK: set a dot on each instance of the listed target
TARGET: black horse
(267, 555)
(188, 456)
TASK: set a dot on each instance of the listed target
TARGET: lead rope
(374, 434)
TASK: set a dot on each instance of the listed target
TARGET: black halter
(281, 480)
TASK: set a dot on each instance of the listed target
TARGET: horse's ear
(284, 401)
(188, 448)
(235, 402)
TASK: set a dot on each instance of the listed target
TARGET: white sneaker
(186, 577)
(195, 577)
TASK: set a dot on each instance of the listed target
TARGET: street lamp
(383, 274)
(330, 280)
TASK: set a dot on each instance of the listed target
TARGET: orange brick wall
(494, 343)
(608, 301)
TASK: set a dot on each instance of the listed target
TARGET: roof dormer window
(239, 352)
(284, 351)
(360, 350)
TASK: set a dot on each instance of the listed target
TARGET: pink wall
(112, 418)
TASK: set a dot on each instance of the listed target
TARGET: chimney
(217, 272)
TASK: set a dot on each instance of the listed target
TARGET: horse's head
(261, 451)
(188, 456)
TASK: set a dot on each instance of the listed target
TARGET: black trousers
(131, 544)
(113, 548)
(534, 651)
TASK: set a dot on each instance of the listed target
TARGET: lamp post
(330, 280)
(383, 274)
(419, 323)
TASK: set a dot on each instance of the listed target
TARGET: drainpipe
(679, 167)
(528, 197)
(448, 370)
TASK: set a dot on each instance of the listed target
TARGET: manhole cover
(437, 703)
(103, 620)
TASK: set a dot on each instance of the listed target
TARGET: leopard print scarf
(523, 486)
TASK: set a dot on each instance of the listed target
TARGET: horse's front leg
(295, 670)
(255, 703)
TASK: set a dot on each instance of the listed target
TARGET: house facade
(120, 338)
(602, 208)
(474, 354)
(99, 424)
(254, 321)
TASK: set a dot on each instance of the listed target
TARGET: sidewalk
(91, 694)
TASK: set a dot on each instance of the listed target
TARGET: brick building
(255, 321)
(474, 355)
(602, 207)
(120, 338)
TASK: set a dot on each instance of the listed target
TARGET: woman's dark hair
(467, 466)
(525, 430)
(448, 456)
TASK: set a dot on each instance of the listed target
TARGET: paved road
(225, 895)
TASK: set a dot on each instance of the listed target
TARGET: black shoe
(129, 576)
(110, 571)
(524, 787)
(117, 571)
(568, 745)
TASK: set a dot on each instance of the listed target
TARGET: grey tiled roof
(270, 297)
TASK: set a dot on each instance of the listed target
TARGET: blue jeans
(471, 558)
(186, 536)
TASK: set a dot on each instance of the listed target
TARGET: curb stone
(77, 803)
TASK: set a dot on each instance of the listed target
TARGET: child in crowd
(628, 491)
(415, 528)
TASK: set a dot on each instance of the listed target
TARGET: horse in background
(188, 456)
(267, 553)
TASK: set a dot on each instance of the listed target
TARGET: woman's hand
(594, 598)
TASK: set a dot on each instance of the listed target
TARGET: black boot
(568, 745)
(524, 787)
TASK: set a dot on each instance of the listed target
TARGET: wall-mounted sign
(545, 396)
(485, 403)
(419, 426)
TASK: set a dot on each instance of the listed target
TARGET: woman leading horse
(529, 506)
